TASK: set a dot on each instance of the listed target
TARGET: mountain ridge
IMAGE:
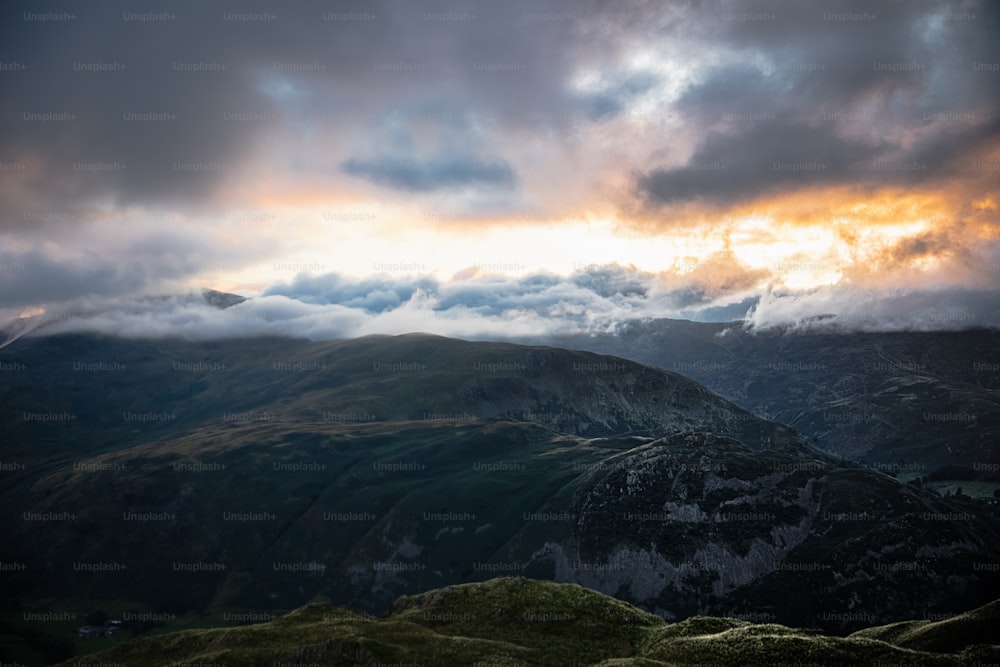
(574, 392)
(921, 404)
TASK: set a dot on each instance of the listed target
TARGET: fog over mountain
(594, 300)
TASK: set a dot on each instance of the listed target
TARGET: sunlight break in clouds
(804, 159)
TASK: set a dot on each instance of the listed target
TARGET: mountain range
(916, 404)
(172, 477)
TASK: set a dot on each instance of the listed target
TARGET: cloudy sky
(467, 167)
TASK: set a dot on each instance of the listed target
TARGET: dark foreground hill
(517, 621)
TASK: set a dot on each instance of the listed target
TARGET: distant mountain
(221, 300)
(83, 394)
(915, 403)
(527, 622)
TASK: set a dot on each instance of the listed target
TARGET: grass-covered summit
(518, 621)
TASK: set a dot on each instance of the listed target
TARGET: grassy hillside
(266, 515)
(78, 394)
(527, 622)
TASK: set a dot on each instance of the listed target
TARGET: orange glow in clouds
(802, 239)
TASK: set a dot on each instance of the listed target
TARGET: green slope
(74, 394)
(525, 622)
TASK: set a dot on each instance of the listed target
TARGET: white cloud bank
(594, 300)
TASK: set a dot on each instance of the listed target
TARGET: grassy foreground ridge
(519, 621)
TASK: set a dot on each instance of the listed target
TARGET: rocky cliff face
(697, 524)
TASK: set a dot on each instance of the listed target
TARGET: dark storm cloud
(143, 104)
(32, 277)
(773, 157)
(856, 94)
(184, 97)
(955, 147)
(109, 108)
(770, 156)
(830, 55)
(422, 176)
(610, 101)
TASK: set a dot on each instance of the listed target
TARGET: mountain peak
(221, 300)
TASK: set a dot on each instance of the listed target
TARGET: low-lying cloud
(593, 300)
